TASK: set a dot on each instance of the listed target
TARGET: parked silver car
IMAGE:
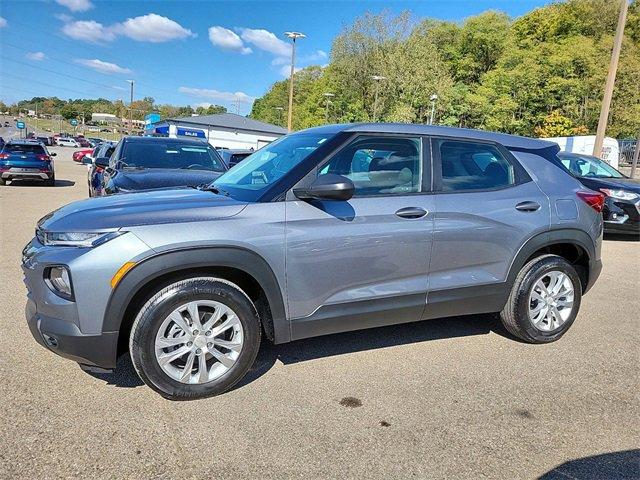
(326, 230)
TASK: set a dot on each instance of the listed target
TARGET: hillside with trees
(541, 74)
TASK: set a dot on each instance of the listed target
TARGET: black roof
(136, 138)
(512, 141)
(230, 121)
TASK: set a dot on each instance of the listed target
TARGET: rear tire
(201, 370)
(536, 314)
(51, 182)
(3, 181)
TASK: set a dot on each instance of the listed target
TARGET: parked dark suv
(143, 163)
(26, 160)
(326, 230)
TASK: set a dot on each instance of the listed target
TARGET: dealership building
(224, 130)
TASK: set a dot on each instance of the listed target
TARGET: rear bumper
(9, 175)
(595, 267)
(65, 339)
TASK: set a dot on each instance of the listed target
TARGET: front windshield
(588, 166)
(262, 169)
(156, 153)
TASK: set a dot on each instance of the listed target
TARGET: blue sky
(185, 52)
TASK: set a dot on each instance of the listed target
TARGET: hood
(631, 184)
(144, 208)
(160, 178)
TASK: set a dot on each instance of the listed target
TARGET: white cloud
(265, 40)
(285, 70)
(63, 17)
(227, 40)
(76, 5)
(100, 66)
(36, 56)
(152, 28)
(216, 94)
(88, 31)
(3, 22)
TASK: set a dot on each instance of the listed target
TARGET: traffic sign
(20, 125)
(73, 122)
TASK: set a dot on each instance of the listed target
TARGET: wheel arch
(238, 265)
(574, 245)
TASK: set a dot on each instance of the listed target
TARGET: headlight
(76, 239)
(58, 280)
(620, 194)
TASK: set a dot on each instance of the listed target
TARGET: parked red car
(79, 155)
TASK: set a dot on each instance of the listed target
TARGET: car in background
(621, 210)
(583, 144)
(26, 160)
(80, 154)
(7, 124)
(94, 177)
(83, 142)
(67, 142)
(2, 142)
(143, 163)
(232, 157)
(48, 141)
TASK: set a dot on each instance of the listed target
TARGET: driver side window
(379, 165)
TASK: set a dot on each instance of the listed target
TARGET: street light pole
(280, 110)
(293, 36)
(131, 82)
(434, 99)
(377, 79)
(327, 96)
(611, 80)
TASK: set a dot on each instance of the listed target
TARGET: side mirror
(102, 162)
(327, 187)
(53, 154)
(87, 160)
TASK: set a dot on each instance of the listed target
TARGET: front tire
(544, 300)
(195, 338)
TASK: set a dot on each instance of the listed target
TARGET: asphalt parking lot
(453, 398)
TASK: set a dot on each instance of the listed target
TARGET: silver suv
(326, 230)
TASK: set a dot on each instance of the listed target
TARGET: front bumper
(65, 339)
(621, 216)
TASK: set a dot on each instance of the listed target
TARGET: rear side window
(16, 148)
(473, 166)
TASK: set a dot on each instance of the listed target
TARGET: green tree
(69, 111)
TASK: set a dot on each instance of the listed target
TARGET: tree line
(541, 74)
(83, 108)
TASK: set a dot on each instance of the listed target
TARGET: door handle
(528, 206)
(411, 212)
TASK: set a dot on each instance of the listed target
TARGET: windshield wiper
(212, 189)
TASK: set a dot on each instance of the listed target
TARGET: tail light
(4, 156)
(594, 199)
(43, 157)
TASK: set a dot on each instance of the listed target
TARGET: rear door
(363, 262)
(487, 207)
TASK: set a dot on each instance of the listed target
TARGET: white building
(224, 130)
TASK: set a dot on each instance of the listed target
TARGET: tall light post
(377, 79)
(328, 96)
(131, 82)
(434, 99)
(280, 111)
(293, 36)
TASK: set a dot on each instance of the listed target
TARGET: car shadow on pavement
(36, 183)
(371, 339)
(619, 237)
(125, 375)
(621, 465)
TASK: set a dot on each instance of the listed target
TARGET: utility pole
(636, 154)
(293, 36)
(36, 131)
(611, 80)
(434, 99)
(131, 82)
(327, 96)
(377, 79)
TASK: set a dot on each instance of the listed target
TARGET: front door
(363, 262)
